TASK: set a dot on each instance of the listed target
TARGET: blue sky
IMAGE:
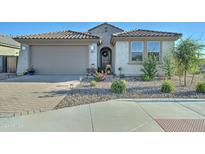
(194, 29)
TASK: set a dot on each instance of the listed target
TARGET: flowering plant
(100, 76)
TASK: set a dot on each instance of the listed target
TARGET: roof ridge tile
(145, 33)
(58, 35)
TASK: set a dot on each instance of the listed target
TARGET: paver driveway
(28, 94)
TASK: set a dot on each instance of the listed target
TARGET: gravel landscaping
(85, 94)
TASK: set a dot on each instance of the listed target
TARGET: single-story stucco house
(70, 52)
(9, 52)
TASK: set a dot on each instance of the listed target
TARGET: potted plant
(30, 70)
(108, 69)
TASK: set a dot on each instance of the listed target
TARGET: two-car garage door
(59, 59)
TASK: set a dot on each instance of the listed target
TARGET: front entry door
(106, 57)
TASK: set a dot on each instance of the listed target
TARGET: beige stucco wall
(105, 38)
(23, 60)
(8, 51)
(93, 55)
(167, 46)
(122, 57)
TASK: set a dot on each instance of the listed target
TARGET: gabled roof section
(105, 23)
(8, 41)
(68, 34)
(146, 33)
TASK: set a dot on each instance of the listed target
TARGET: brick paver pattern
(182, 125)
(26, 98)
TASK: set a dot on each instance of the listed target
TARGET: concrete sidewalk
(115, 115)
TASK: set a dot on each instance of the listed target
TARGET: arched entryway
(105, 57)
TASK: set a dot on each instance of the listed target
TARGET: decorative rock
(84, 94)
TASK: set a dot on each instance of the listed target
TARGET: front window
(153, 48)
(137, 49)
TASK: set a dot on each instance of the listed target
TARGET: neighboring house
(9, 51)
(70, 52)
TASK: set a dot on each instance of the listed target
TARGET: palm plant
(168, 66)
(150, 67)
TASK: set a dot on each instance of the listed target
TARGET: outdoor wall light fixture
(23, 48)
(80, 79)
(92, 48)
(71, 88)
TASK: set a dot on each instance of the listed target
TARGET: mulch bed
(84, 94)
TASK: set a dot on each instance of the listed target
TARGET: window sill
(140, 63)
(135, 63)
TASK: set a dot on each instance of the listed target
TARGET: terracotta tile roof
(8, 41)
(68, 34)
(146, 33)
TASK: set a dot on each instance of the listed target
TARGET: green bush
(118, 86)
(168, 87)
(200, 87)
(145, 77)
(168, 66)
(93, 83)
(150, 67)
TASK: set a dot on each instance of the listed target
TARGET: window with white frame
(137, 49)
(153, 48)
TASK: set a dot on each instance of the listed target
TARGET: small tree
(168, 66)
(150, 67)
(186, 53)
(179, 71)
(194, 70)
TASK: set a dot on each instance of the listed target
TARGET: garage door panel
(59, 59)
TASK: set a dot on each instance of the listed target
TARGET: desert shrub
(145, 77)
(168, 87)
(100, 76)
(93, 83)
(194, 70)
(200, 87)
(150, 66)
(168, 66)
(118, 86)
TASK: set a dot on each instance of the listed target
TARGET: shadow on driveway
(44, 78)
